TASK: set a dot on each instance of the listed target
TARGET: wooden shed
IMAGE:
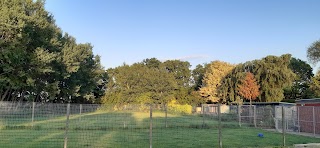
(308, 112)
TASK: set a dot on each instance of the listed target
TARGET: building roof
(270, 103)
(311, 101)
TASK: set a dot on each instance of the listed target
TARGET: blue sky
(198, 31)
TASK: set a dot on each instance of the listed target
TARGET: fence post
(32, 118)
(80, 112)
(150, 131)
(254, 116)
(250, 115)
(202, 110)
(219, 116)
(67, 127)
(239, 114)
(166, 112)
(298, 110)
(314, 122)
(283, 127)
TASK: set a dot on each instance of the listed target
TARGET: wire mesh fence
(30, 124)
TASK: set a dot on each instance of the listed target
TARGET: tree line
(151, 81)
(273, 78)
(39, 62)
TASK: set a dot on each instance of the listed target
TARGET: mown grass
(131, 129)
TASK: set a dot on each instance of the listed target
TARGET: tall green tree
(300, 86)
(315, 84)
(38, 62)
(228, 90)
(184, 93)
(313, 52)
(197, 75)
(152, 63)
(29, 43)
(180, 70)
(139, 84)
(272, 73)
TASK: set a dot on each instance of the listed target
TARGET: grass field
(131, 129)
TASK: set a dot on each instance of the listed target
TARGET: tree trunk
(37, 98)
(1, 91)
(5, 94)
(9, 95)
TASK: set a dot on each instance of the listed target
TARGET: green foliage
(26, 29)
(272, 73)
(188, 96)
(289, 100)
(300, 86)
(274, 77)
(152, 63)
(313, 52)
(315, 85)
(180, 71)
(302, 69)
(198, 74)
(39, 63)
(139, 84)
(228, 90)
(151, 81)
(174, 107)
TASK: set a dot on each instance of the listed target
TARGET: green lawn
(131, 129)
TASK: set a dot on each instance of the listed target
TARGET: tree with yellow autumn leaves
(215, 72)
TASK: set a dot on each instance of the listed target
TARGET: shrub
(174, 107)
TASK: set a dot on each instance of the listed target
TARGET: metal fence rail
(31, 124)
(296, 119)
